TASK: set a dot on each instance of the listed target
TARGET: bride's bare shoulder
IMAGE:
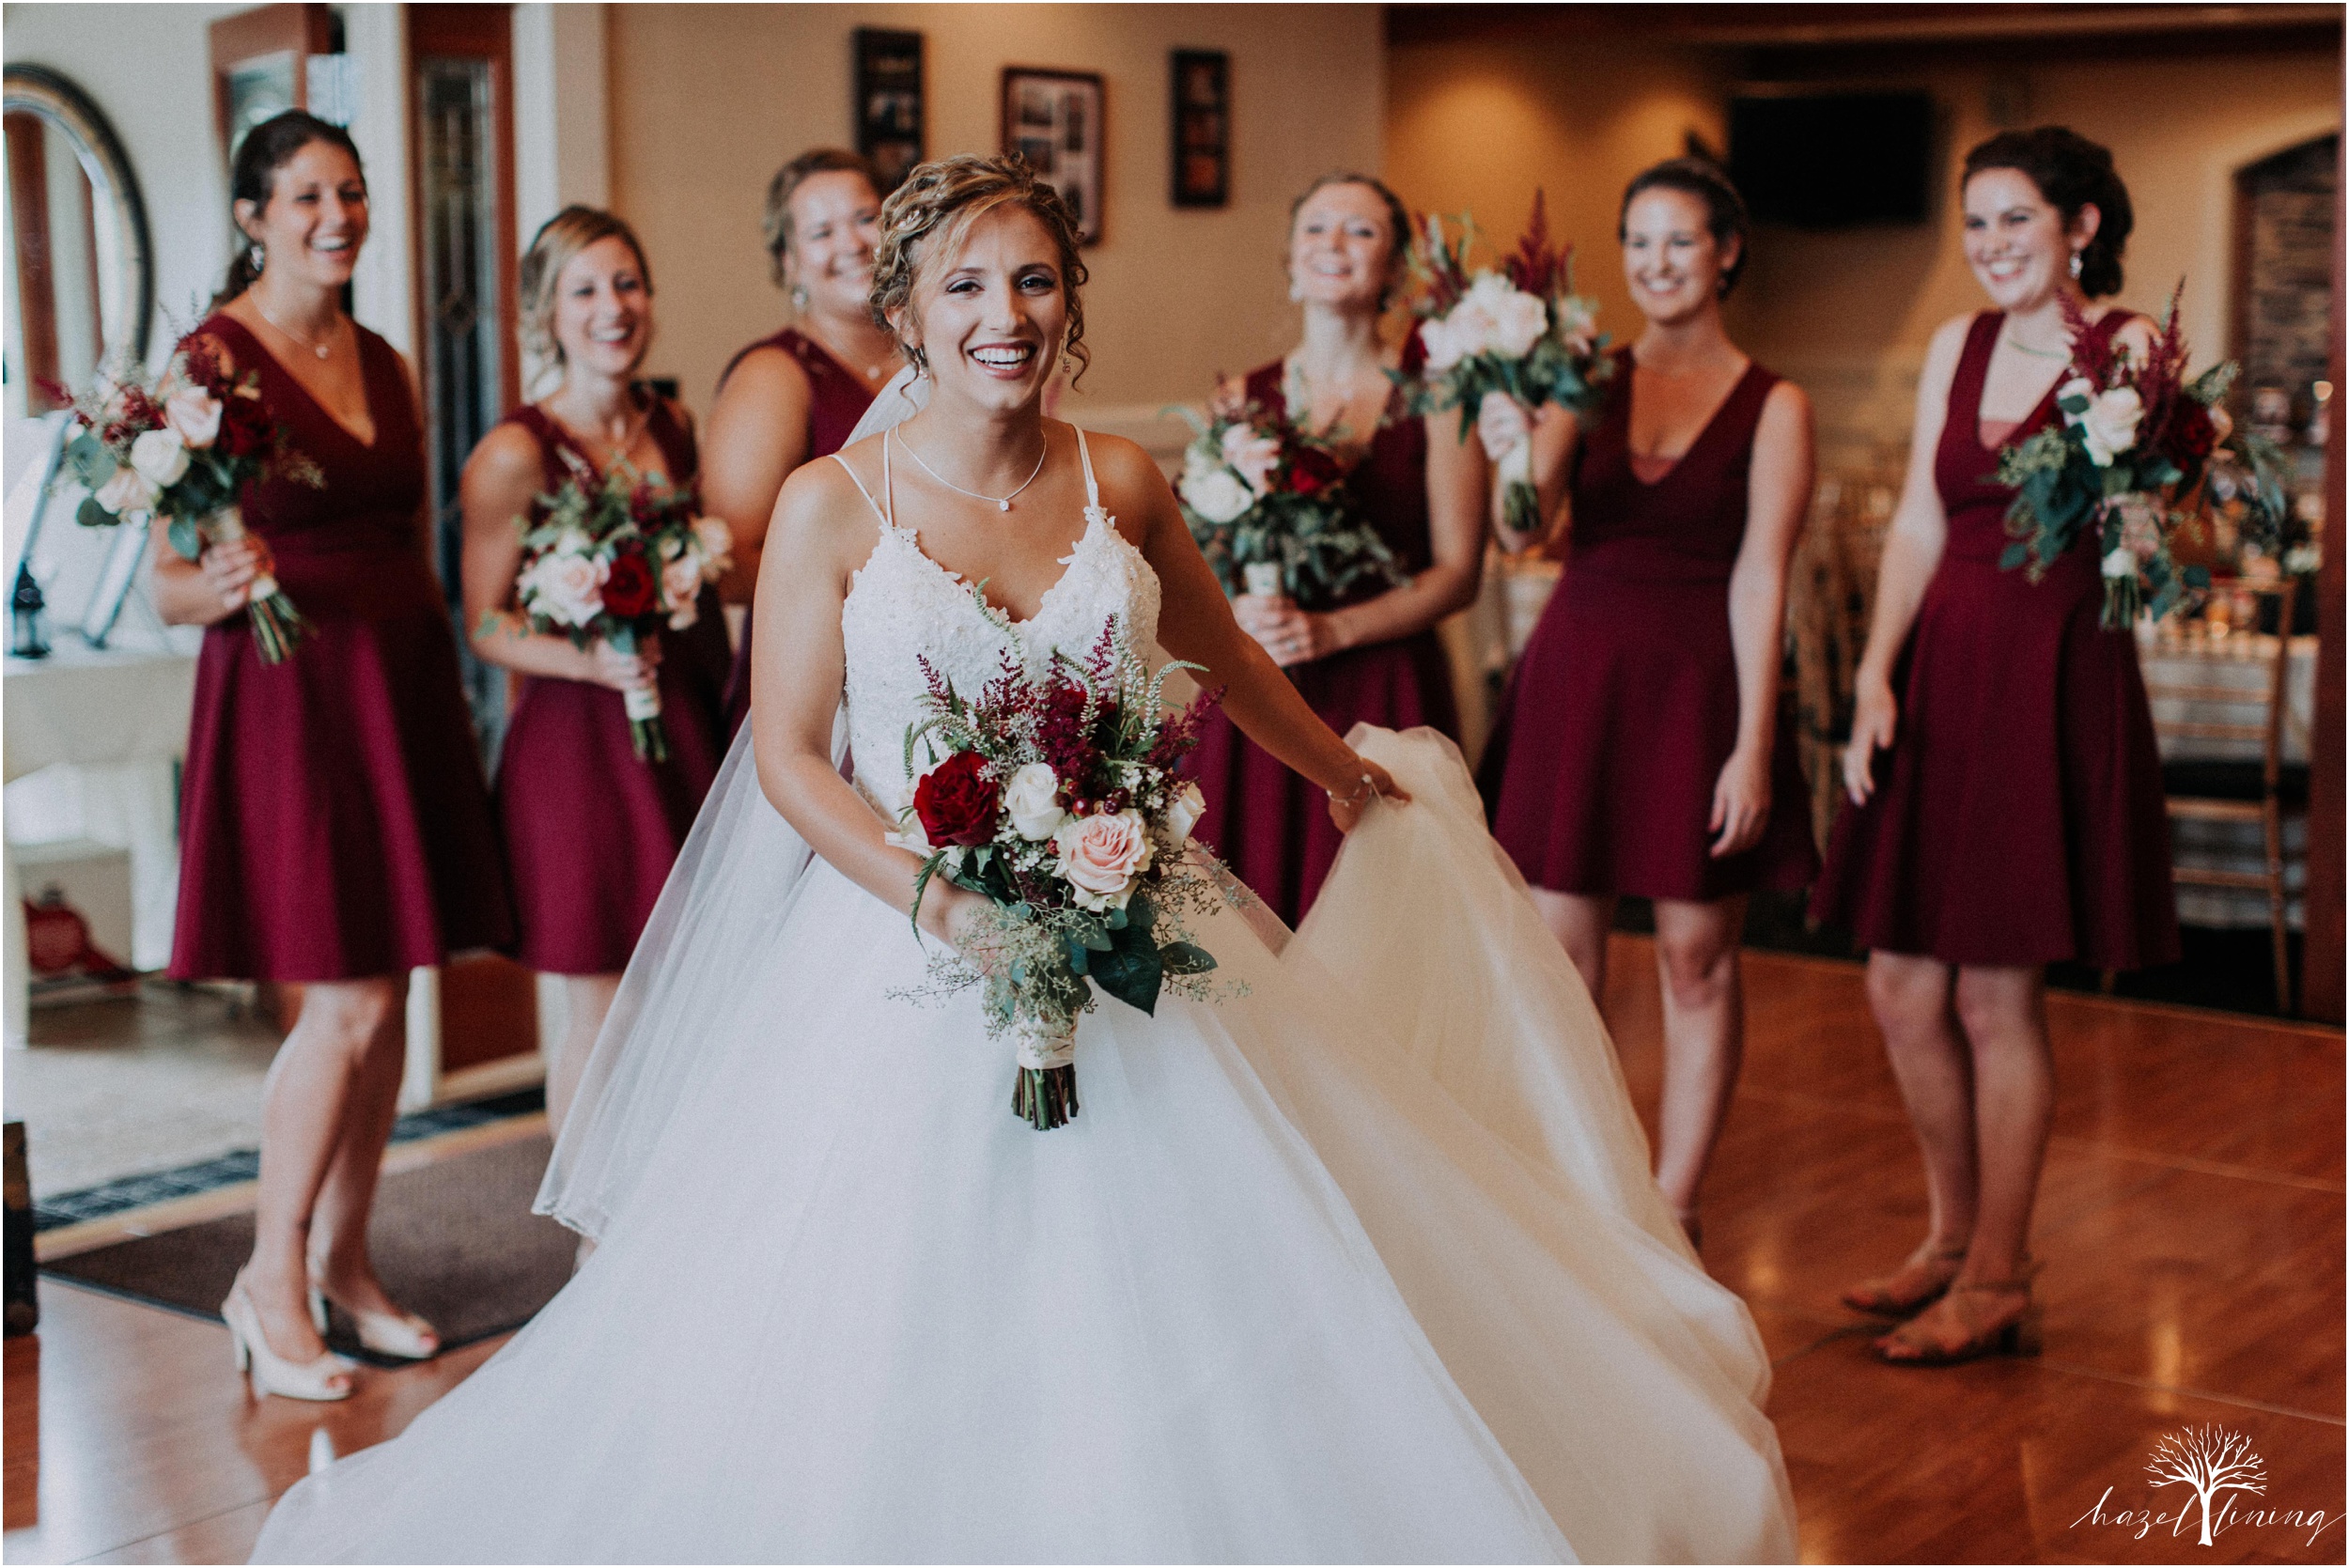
(1125, 468)
(822, 516)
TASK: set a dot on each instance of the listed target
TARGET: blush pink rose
(681, 588)
(195, 414)
(1100, 856)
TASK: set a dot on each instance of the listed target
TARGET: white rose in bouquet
(1212, 490)
(1518, 319)
(195, 414)
(129, 490)
(566, 586)
(1252, 455)
(2111, 423)
(160, 455)
(717, 545)
(680, 589)
(1031, 796)
(1100, 856)
(1473, 328)
(1183, 812)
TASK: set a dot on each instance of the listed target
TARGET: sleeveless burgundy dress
(2018, 816)
(1624, 709)
(591, 829)
(333, 824)
(838, 401)
(1270, 825)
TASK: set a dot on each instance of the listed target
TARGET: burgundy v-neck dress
(591, 829)
(1270, 825)
(837, 401)
(2018, 816)
(333, 824)
(1600, 774)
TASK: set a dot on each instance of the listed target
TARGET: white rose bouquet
(1272, 510)
(614, 559)
(185, 450)
(1056, 799)
(2130, 457)
(1521, 334)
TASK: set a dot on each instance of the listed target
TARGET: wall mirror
(81, 282)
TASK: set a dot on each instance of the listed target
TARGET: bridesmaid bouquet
(2130, 457)
(1519, 333)
(184, 450)
(1057, 800)
(614, 559)
(1268, 506)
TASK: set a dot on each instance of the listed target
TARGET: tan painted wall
(1848, 314)
(1175, 296)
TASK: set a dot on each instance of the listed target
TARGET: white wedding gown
(1365, 1265)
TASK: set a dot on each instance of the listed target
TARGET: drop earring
(2076, 264)
(256, 257)
(798, 295)
(1296, 289)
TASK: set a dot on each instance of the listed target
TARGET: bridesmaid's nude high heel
(324, 1380)
(1923, 1278)
(401, 1334)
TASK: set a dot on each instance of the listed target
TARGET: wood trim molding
(2323, 957)
(36, 286)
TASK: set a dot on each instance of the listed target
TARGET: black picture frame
(889, 102)
(1199, 149)
(1058, 121)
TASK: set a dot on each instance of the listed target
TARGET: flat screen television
(1832, 160)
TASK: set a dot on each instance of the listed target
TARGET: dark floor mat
(454, 1241)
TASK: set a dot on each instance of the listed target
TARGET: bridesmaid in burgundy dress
(2014, 816)
(1374, 658)
(794, 397)
(335, 830)
(1643, 750)
(591, 829)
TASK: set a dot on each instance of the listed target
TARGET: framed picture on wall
(1202, 145)
(889, 102)
(1053, 119)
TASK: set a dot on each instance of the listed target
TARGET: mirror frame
(53, 98)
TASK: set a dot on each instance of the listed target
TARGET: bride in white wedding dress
(1362, 1264)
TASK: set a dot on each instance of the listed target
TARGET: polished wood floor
(2191, 1222)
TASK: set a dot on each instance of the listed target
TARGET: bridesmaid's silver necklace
(321, 349)
(1001, 502)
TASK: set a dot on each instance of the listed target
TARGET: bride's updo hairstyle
(561, 237)
(2072, 172)
(925, 220)
(1725, 216)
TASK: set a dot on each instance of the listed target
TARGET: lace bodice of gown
(904, 607)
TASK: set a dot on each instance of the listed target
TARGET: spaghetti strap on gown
(1359, 1263)
(334, 822)
(2018, 816)
(590, 828)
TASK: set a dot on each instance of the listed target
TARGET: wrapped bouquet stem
(277, 625)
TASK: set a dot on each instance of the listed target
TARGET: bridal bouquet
(1521, 334)
(185, 449)
(1270, 508)
(1057, 800)
(614, 559)
(2129, 458)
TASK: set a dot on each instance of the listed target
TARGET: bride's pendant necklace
(1001, 502)
(321, 349)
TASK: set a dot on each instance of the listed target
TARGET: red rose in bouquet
(1312, 470)
(631, 590)
(958, 802)
(2192, 436)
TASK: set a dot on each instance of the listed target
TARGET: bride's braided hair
(941, 200)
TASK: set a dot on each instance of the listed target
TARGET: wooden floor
(2191, 1223)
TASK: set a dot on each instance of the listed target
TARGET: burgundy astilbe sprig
(1178, 736)
(1537, 266)
(1442, 266)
